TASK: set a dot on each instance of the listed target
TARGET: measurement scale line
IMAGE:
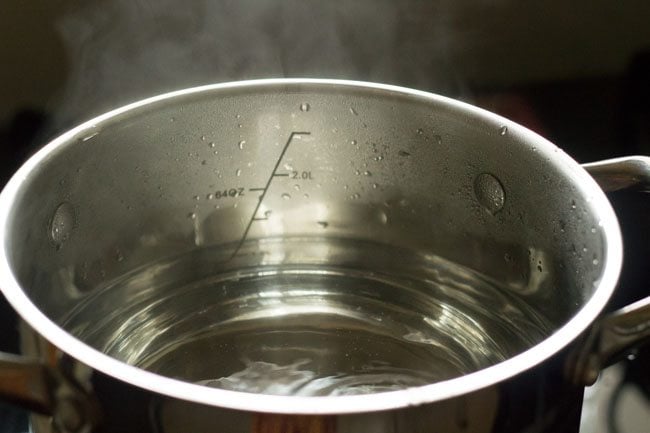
(281, 174)
(256, 189)
(264, 191)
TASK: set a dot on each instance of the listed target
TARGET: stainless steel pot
(311, 256)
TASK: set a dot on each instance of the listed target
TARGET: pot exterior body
(199, 235)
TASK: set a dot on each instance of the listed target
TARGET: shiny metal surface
(25, 382)
(619, 173)
(397, 201)
(619, 332)
(537, 400)
(48, 390)
(611, 338)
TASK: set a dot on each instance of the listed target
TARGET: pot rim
(535, 355)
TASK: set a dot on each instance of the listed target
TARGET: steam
(123, 50)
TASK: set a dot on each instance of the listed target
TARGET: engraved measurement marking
(265, 189)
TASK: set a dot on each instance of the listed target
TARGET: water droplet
(238, 172)
(203, 138)
(209, 196)
(593, 229)
(573, 204)
(238, 116)
(304, 106)
(62, 224)
(197, 198)
(353, 142)
(323, 224)
(420, 131)
(367, 173)
(241, 144)
(438, 139)
(89, 136)
(356, 195)
(211, 144)
(286, 196)
(172, 119)
(296, 187)
(595, 262)
(305, 195)
(357, 172)
(239, 125)
(403, 153)
(503, 130)
(204, 162)
(489, 192)
(119, 256)
(507, 257)
(379, 158)
(374, 186)
(191, 215)
(267, 213)
(539, 268)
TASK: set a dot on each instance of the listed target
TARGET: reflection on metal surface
(609, 339)
(348, 322)
(622, 173)
(612, 405)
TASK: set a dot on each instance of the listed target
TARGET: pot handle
(613, 335)
(34, 385)
(25, 382)
(621, 173)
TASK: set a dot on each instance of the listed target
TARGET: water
(307, 316)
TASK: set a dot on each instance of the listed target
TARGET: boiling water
(307, 317)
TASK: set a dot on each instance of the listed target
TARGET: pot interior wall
(215, 222)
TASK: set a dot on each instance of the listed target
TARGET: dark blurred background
(576, 72)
